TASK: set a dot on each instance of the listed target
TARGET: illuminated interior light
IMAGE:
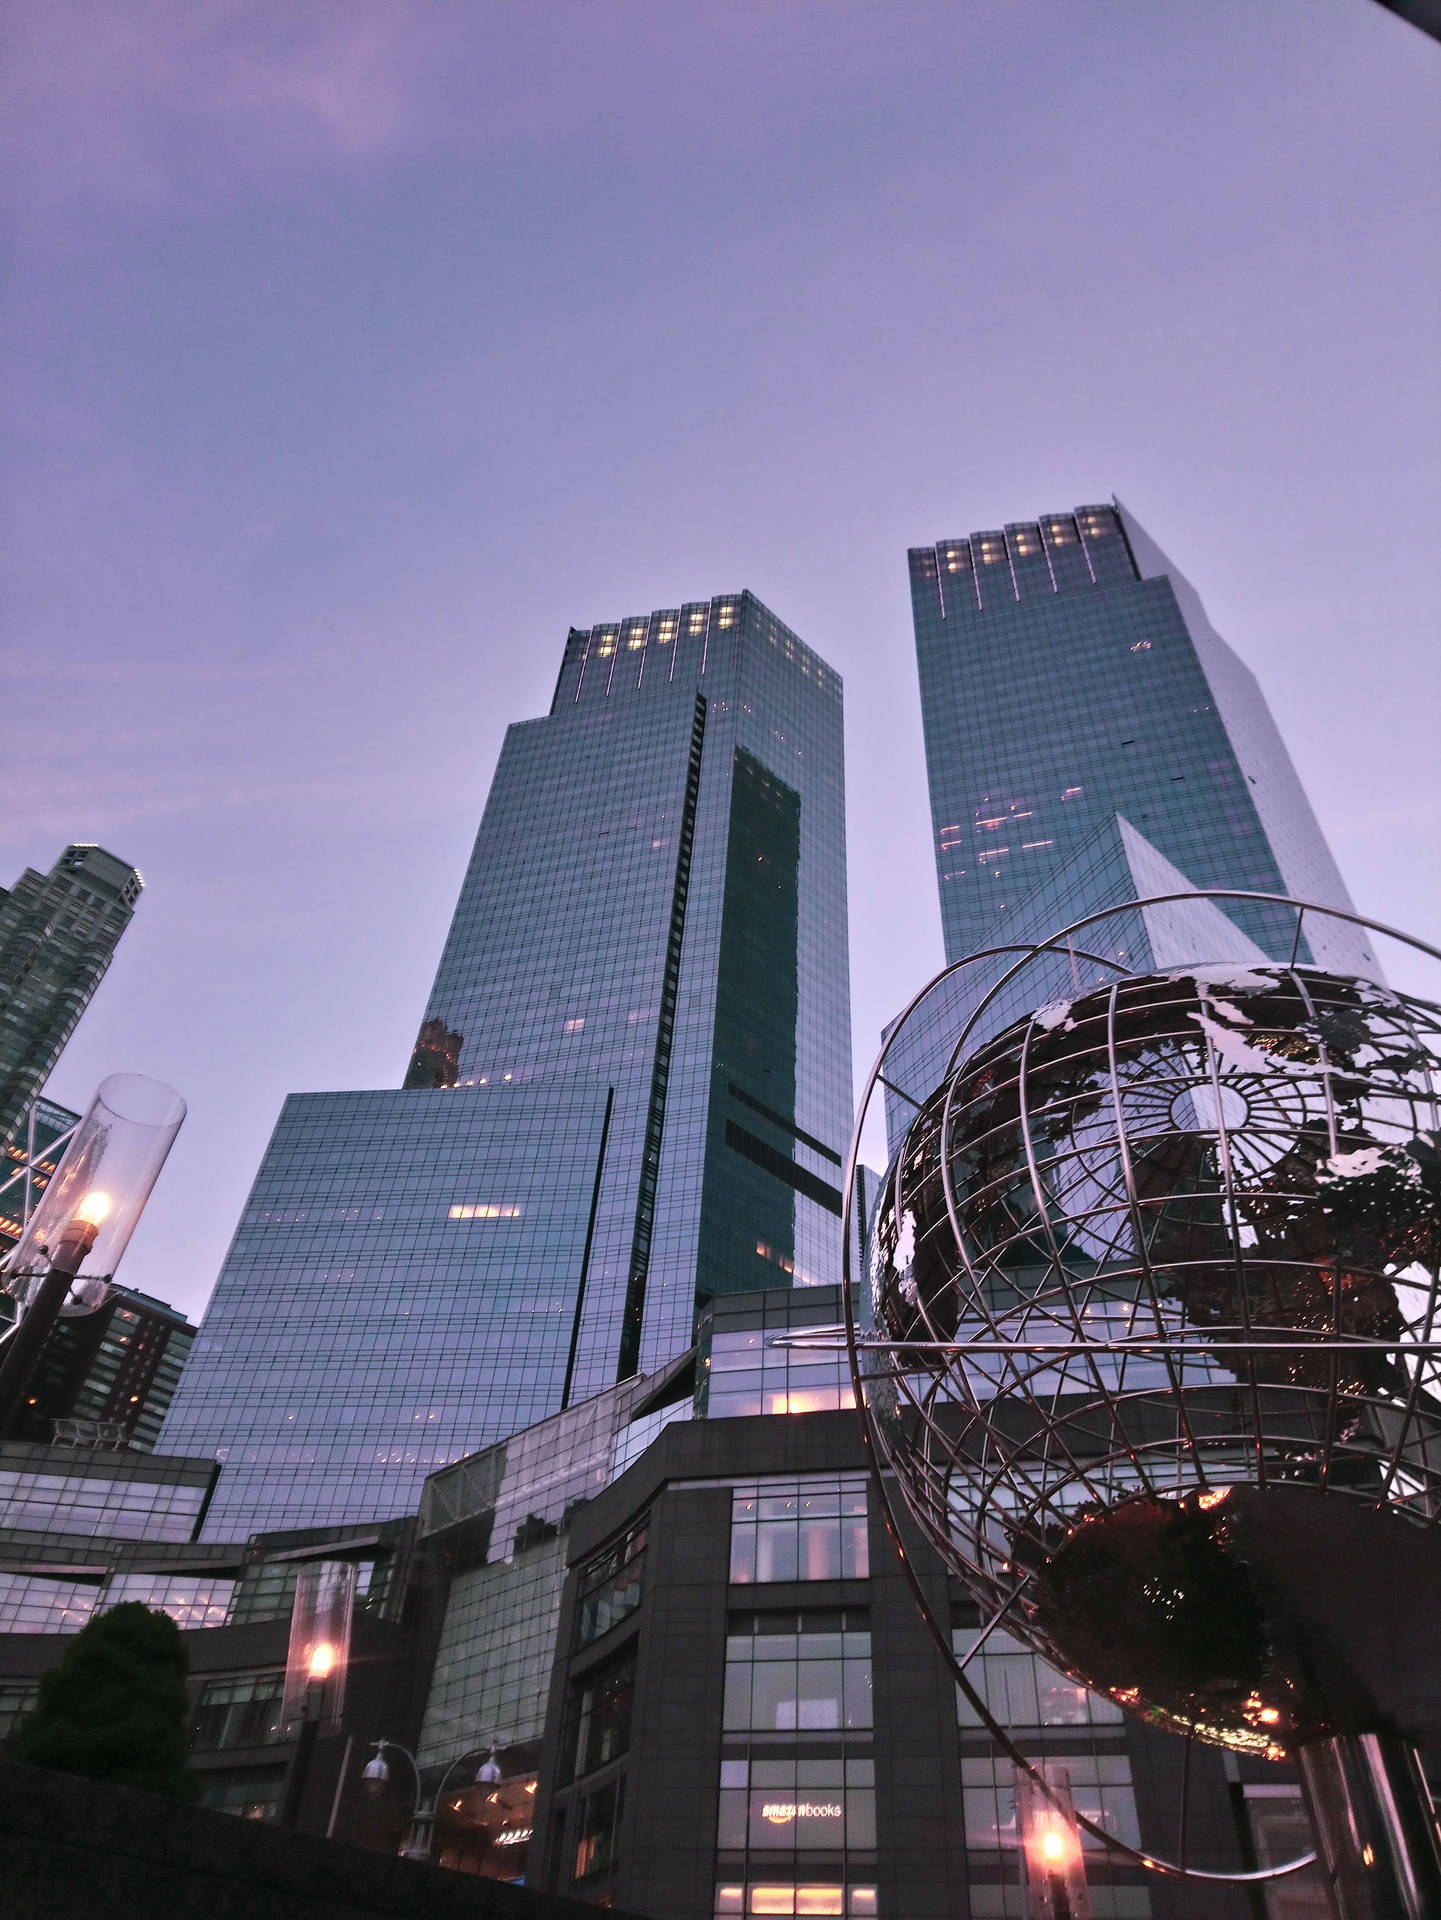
(93, 1208)
(322, 1660)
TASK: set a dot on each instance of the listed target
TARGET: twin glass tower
(631, 1089)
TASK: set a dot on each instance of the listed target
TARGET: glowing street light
(73, 1241)
(315, 1670)
(1051, 1843)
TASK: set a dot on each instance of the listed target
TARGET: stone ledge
(71, 1849)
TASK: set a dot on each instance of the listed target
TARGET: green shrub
(115, 1708)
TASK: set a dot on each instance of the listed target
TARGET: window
(790, 1805)
(793, 1897)
(31, 1603)
(610, 1584)
(597, 1832)
(806, 1529)
(123, 1508)
(252, 1792)
(798, 1672)
(486, 1210)
(190, 1600)
(746, 1375)
(1024, 1691)
(597, 1727)
(1280, 1829)
(17, 1697)
(1100, 1787)
(240, 1712)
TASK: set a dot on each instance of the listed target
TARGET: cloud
(149, 102)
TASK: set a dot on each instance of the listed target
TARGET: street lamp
(420, 1841)
(315, 1670)
(73, 1241)
(1051, 1841)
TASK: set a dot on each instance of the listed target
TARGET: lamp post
(315, 1670)
(420, 1841)
(85, 1218)
(1051, 1844)
(322, 1661)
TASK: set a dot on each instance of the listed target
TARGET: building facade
(82, 1530)
(747, 1717)
(106, 1378)
(671, 1620)
(26, 1164)
(1069, 675)
(1091, 740)
(58, 933)
(630, 1092)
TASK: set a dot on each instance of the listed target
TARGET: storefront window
(793, 1805)
(793, 1897)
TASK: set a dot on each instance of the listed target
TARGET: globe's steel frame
(1238, 1340)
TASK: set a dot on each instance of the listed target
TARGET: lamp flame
(322, 1659)
(93, 1208)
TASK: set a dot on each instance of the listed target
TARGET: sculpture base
(1376, 1835)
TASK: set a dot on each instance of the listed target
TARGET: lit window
(1100, 1787)
(1022, 1690)
(797, 1672)
(783, 1806)
(746, 1375)
(484, 1211)
(812, 1528)
(793, 1897)
(575, 1026)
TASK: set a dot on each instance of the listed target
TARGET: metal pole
(339, 1787)
(1375, 1825)
(298, 1773)
(22, 1348)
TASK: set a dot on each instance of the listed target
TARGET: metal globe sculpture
(1149, 1332)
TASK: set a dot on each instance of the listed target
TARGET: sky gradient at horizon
(355, 351)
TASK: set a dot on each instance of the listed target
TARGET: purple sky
(355, 349)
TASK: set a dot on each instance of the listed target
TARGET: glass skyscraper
(1091, 739)
(630, 1090)
(58, 933)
